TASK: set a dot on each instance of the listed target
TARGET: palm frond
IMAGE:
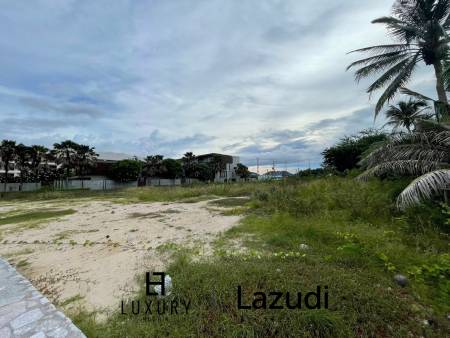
(423, 187)
(417, 95)
(401, 167)
(388, 75)
(385, 57)
(402, 78)
(375, 67)
(398, 47)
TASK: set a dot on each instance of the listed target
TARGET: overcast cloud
(259, 79)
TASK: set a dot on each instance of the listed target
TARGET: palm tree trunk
(443, 112)
(440, 88)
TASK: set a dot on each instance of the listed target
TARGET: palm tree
(37, 155)
(425, 154)
(420, 28)
(7, 154)
(189, 161)
(406, 114)
(64, 153)
(153, 166)
(85, 156)
(22, 161)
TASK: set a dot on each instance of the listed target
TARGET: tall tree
(420, 28)
(406, 114)
(153, 166)
(7, 154)
(189, 161)
(65, 153)
(37, 155)
(85, 156)
(22, 161)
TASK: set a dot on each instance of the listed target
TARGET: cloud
(80, 108)
(257, 78)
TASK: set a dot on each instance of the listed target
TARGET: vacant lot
(289, 236)
(90, 250)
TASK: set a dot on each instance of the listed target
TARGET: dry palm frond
(423, 187)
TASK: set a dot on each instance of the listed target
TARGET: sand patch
(95, 253)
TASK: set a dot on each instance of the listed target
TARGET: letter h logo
(149, 283)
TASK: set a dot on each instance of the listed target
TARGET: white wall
(11, 187)
(163, 182)
(92, 184)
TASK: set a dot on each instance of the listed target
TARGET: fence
(163, 182)
(13, 187)
(92, 184)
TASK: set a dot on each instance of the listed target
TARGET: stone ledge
(25, 312)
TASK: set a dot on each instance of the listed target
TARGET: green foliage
(126, 170)
(33, 216)
(318, 172)
(346, 154)
(242, 171)
(172, 168)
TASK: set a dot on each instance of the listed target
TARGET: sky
(259, 79)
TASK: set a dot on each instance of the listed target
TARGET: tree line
(37, 163)
(187, 167)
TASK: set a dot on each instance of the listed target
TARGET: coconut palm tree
(7, 154)
(425, 154)
(64, 153)
(420, 28)
(406, 114)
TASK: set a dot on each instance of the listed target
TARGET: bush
(346, 154)
(125, 170)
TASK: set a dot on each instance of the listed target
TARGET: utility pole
(273, 165)
(257, 165)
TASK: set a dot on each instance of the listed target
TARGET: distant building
(275, 175)
(228, 174)
(14, 171)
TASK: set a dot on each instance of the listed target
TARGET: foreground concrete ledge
(25, 312)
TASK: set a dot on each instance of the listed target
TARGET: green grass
(71, 300)
(229, 202)
(356, 241)
(188, 194)
(33, 216)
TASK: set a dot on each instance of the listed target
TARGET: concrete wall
(12, 187)
(163, 182)
(92, 184)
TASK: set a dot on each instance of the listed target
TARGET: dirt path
(94, 254)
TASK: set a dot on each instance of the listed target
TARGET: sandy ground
(96, 253)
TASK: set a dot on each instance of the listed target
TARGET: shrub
(346, 154)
